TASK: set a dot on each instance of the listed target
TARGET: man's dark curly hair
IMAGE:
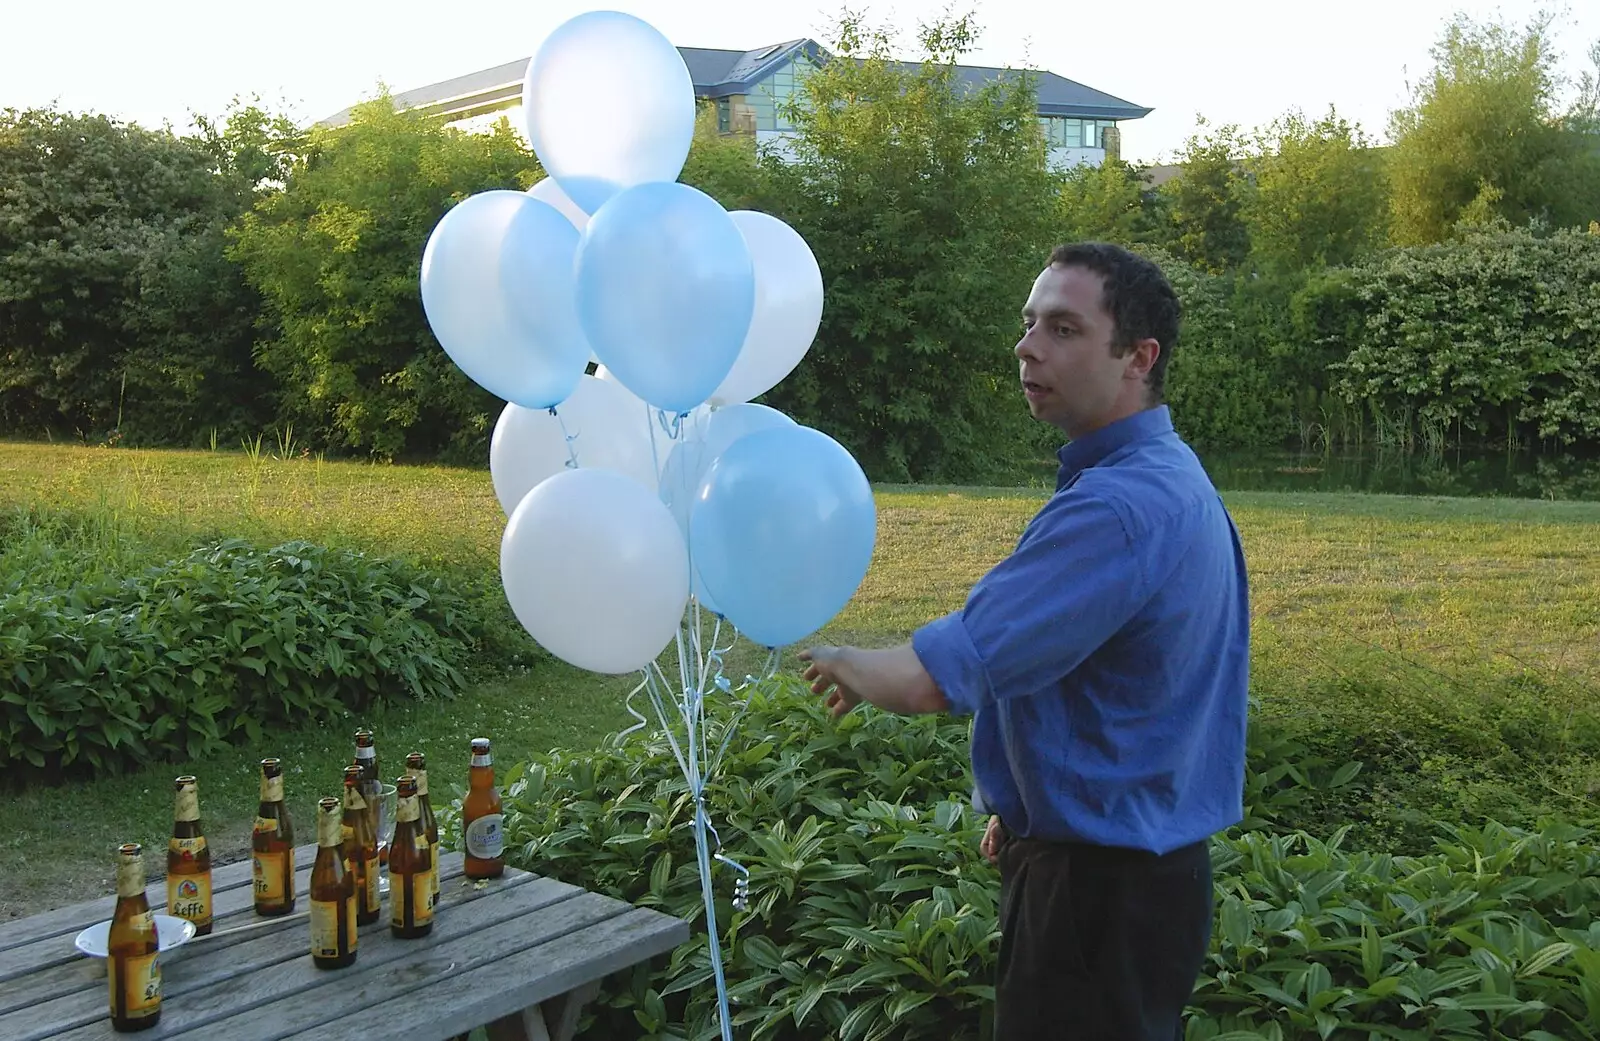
(1137, 296)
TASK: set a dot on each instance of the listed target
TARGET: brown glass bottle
(133, 965)
(272, 845)
(410, 877)
(360, 849)
(188, 859)
(371, 784)
(333, 893)
(417, 766)
(480, 817)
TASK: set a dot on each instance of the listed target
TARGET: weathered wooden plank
(231, 900)
(267, 975)
(497, 985)
(58, 975)
(69, 920)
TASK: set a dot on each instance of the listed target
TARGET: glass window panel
(723, 116)
(1073, 133)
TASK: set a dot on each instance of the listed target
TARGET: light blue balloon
(497, 289)
(782, 533)
(609, 104)
(700, 445)
(666, 290)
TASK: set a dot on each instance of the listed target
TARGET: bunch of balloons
(652, 489)
(653, 479)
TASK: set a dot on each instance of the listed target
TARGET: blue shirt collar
(1077, 456)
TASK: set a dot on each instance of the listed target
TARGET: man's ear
(1142, 358)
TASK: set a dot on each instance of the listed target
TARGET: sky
(1242, 62)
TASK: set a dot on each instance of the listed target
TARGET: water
(1523, 475)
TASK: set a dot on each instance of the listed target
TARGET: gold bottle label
(272, 789)
(130, 876)
(408, 810)
(419, 886)
(325, 916)
(187, 849)
(422, 781)
(187, 804)
(266, 824)
(433, 868)
(374, 894)
(189, 896)
(353, 799)
(137, 978)
(269, 871)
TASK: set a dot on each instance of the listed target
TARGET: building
(750, 89)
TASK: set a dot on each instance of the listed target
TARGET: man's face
(1069, 375)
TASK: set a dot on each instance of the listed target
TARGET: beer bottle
(188, 860)
(360, 849)
(132, 964)
(371, 784)
(333, 893)
(480, 817)
(417, 766)
(272, 845)
(410, 881)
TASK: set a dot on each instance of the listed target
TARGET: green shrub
(102, 672)
(872, 914)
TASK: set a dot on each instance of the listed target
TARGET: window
(723, 117)
(770, 98)
(1070, 132)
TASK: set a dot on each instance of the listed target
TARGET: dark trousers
(1099, 944)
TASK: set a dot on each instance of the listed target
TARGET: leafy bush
(872, 914)
(171, 662)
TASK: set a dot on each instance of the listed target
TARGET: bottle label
(325, 915)
(353, 799)
(433, 866)
(483, 760)
(189, 896)
(484, 839)
(269, 871)
(422, 781)
(187, 849)
(266, 824)
(136, 979)
(187, 804)
(408, 810)
(374, 895)
(130, 876)
(419, 886)
(272, 789)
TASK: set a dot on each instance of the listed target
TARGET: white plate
(171, 932)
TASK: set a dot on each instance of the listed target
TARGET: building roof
(718, 73)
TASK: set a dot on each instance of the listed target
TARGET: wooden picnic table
(519, 955)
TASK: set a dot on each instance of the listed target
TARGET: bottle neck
(407, 809)
(482, 760)
(480, 777)
(271, 788)
(187, 805)
(353, 799)
(330, 830)
(422, 781)
(130, 877)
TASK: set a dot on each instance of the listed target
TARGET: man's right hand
(993, 839)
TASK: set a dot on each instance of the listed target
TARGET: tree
(1203, 203)
(118, 308)
(1104, 203)
(1482, 137)
(928, 206)
(1315, 196)
(337, 256)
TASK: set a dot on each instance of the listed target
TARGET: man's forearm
(892, 679)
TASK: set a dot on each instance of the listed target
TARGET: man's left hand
(823, 674)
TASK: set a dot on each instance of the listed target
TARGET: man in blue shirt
(1105, 662)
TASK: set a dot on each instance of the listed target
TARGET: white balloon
(596, 570)
(788, 308)
(530, 445)
(549, 192)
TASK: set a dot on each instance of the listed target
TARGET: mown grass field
(1409, 606)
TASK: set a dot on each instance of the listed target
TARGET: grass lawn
(1422, 593)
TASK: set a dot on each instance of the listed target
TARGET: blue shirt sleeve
(1074, 580)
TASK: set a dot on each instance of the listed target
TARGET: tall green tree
(337, 256)
(1206, 228)
(928, 204)
(1484, 138)
(1104, 203)
(1315, 195)
(118, 307)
